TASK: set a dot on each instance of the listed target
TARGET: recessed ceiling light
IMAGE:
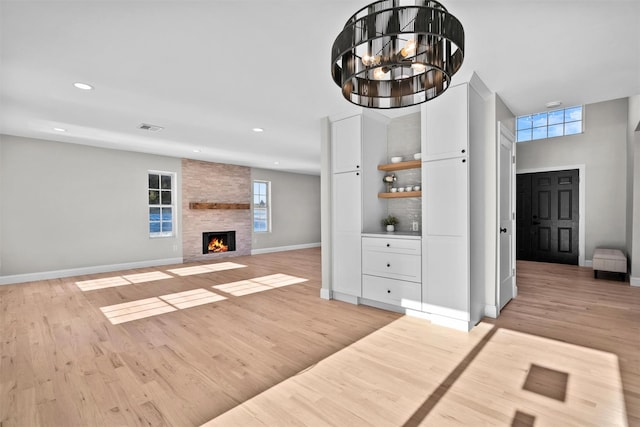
(553, 104)
(151, 128)
(258, 130)
(83, 86)
(59, 129)
(276, 163)
(196, 151)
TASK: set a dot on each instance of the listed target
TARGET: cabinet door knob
(357, 166)
(388, 244)
(358, 173)
(464, 160)
(388, 265)
(464, 151)
(388, 291)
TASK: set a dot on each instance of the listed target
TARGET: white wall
(633, 188)
(295, 210)
(68, 206)
(602, 148)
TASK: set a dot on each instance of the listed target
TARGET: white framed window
(162, 212)
(261, 206)
(549, 124)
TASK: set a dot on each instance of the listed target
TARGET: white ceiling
(210, 71)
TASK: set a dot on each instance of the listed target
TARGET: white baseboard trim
(491, 311)
(383, 306)
(325, 293)
(460, 325)
(284, 248)
(588, 263)
(56, 274)
(634, 281)
(351, 299)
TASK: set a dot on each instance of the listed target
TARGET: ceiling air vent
(151, 128)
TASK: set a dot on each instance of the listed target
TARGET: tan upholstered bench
(612, 260)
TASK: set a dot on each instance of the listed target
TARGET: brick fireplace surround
(216, 183)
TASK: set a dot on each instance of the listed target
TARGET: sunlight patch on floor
(192, 298)
(412, 373)
(151, 276)
(258, 284)
(140, 309)
(134, 310)
(205, 268)
(105, 282)
(147, 277)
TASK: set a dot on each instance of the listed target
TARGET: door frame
(582, 181)
(502, 129)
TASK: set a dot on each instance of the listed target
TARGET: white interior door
(507, 218)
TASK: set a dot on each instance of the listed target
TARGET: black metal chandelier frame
(397, 53)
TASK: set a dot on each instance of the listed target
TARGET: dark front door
(547, 216)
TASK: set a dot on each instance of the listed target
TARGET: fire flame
(216, 245)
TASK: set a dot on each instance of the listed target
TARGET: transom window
(549, 124)
(161, 204)
(261, 206)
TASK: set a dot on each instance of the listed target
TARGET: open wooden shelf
(209, 205)
(409, 164)
(400, 195)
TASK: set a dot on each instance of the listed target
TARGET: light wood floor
(565, 352)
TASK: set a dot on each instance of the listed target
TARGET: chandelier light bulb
(409, 48)
(380, 73)
(368, 60)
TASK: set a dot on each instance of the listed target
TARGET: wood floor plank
(283, 356)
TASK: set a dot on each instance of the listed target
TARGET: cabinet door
(346, 138)
(347, 202)
(347, 227)
(347, 264)
(445, 197)
(446, 237)
(446, 122)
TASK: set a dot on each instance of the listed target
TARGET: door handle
(503, 230)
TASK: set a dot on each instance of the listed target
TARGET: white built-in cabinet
(448, 293)
(358, 145)
(431, 274)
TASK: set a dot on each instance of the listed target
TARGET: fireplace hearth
(218, 241)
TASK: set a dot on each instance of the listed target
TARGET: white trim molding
(491, 311)
(325, 293)
(634, 281)
(588, 263)
(56, 274)
(284, 248)
(582, 206)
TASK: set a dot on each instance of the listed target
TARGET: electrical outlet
(414, 226)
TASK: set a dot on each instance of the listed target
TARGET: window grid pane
(161, 201)
(261, 207)
(550, 124)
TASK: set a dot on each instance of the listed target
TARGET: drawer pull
(388, 244)
(388, 265)
(388, 291)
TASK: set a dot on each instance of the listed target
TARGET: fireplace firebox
(218, 241)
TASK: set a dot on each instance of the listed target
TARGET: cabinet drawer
(394, 292)
(402, 246)
(392, 265)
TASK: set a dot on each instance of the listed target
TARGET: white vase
(390, 227)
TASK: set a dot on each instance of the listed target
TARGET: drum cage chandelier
(395, 53)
